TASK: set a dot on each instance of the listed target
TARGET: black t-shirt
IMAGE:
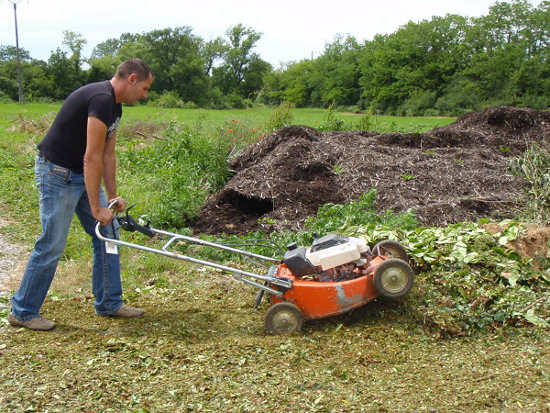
(65, 142)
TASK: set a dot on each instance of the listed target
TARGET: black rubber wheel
(393, 278)
(391, 249)
(283, 318)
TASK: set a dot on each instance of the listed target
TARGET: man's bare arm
(109, 173)
(93, 167)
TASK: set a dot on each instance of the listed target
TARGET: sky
(291, 29)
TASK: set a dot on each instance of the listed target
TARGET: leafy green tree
(211, 52)
(502, 43)
(8, 70)
(102, 68)
(75, 43)
(242, 70)
(272, 92)
(9, 53)
(108, 48)
(254, 77)
(60, 70)
(174, 57)
(131, 46)
(36, 83)
(106, 57)
(335, 77)
(417, 58)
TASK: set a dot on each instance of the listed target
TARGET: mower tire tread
(393, 278)
(391, 249)
(283, 318)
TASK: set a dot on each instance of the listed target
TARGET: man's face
(138, 89)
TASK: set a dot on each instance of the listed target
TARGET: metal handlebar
(237, 273)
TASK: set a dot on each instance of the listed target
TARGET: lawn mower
(332, 276)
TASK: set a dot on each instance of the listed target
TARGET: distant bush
(236, 101)
(419, 103)
(172, 100)
(8, 89)
(5, 98)
(535, 102)
(458, 98)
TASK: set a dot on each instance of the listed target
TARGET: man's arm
(109, 173)
(93, 167)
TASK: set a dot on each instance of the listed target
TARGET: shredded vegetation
(201, 347)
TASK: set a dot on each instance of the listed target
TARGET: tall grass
(176, 174)
(534, 166)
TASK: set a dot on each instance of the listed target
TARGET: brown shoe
(37, 323)
(125, 311)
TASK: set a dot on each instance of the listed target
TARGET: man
(77, 154)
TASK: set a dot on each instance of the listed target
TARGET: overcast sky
(291, 29)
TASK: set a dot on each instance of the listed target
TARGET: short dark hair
(137, 66)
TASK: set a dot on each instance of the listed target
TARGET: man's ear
(132, 79)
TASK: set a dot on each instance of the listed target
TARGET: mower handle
(174, 237)
(238, 274)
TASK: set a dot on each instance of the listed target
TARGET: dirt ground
(454, 173)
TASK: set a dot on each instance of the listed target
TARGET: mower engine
(330, 258)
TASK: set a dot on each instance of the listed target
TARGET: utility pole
(14, 2)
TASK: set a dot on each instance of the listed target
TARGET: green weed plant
(332, 121)
(280, 117)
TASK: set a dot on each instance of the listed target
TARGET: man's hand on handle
(120, 204)
(104, 215)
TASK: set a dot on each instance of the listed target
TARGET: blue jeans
(62, 193)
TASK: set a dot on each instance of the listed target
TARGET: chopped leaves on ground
(201, 347)
(471, 336)
(471, 276)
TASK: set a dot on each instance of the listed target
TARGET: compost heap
(455, 173)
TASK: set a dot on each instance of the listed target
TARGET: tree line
(443, 66)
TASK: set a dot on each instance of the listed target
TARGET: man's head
(132, 81)
(137, 66)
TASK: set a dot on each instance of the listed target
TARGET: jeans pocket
(59, 172)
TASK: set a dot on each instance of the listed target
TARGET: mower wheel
(393, 278)
(392, 249)
(283, 318)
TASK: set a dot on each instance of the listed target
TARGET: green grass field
(201, 345)
(255, 117)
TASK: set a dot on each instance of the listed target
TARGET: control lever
(128, 223)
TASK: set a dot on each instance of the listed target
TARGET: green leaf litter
(469, 279)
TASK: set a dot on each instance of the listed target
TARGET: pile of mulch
(450, 174)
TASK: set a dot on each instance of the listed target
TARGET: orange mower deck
(324, 299)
